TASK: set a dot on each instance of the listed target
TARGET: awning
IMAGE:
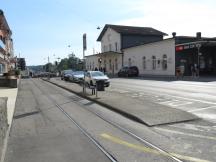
(196, 44)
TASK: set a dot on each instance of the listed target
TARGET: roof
(149, 43)
(131, 30)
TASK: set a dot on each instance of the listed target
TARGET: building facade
(156, 58)
(153, 55)
(114, 39)
(6, 45)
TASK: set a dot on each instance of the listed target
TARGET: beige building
(6, 45)
(156, 58)
(115, 41)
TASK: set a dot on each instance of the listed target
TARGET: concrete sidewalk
(11, 95)
(145, 111)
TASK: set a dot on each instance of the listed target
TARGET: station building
(146, 48)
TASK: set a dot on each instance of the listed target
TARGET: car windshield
(97, 73)
(68, 71)
(78, 73)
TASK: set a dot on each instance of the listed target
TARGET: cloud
(183, 17)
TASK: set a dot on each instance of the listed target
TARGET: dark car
(65, 75)
(128, 71)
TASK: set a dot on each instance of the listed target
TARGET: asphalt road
(41, 132)
(198, 98)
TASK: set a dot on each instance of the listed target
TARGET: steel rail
(97, 144)
(142, 140)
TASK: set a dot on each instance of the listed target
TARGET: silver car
(91, 77)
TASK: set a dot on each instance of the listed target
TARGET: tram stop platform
(146, 112)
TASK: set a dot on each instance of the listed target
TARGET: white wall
(91, 62)
(112, 62)
(111, 67)
(110, 38)
(157, 49)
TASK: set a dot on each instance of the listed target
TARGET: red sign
(179, 48)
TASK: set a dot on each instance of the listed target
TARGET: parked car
(65, 74)
(77, 76)
(128, 71)
(91, 77)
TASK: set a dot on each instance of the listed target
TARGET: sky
(54, 28)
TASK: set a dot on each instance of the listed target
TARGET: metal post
(198, 61)
(84, 87)
(84, 68)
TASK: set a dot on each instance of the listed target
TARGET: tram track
(125, 130)
(94, 141)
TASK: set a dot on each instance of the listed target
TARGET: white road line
(187, 134)
(173, 96)
(204, 108)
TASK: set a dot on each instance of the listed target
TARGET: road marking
(187, 134)
(204, 108)
(172, 96)
(148, 150)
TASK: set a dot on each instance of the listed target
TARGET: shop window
(116, 64)
(1, 69)
(153, 62)
(164, 62)
(144, 62)
(129, 62)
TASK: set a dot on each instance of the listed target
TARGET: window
(129, 62)
(104, 63)
(116, 46)
(110, 64)
(109, 37)
(104, 48)
(164, 62)
(153, 62)
(116, 64)
(144, 62)
(110, 47)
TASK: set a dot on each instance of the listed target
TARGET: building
(114, 39)
(6, 45)
(153, 55)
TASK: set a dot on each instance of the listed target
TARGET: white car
(91, 77)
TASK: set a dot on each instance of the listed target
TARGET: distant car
(77, 76)
(65, 75)
(128, 71)
(91, 77)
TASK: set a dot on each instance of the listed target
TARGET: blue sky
(43, 28)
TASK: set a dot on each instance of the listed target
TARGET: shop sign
(188, 46)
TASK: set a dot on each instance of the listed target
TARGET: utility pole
(84, 68)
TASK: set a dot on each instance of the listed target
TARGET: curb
(5, 143)
(112, 108)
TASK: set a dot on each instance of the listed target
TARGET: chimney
(174, 34)
(198, 35)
